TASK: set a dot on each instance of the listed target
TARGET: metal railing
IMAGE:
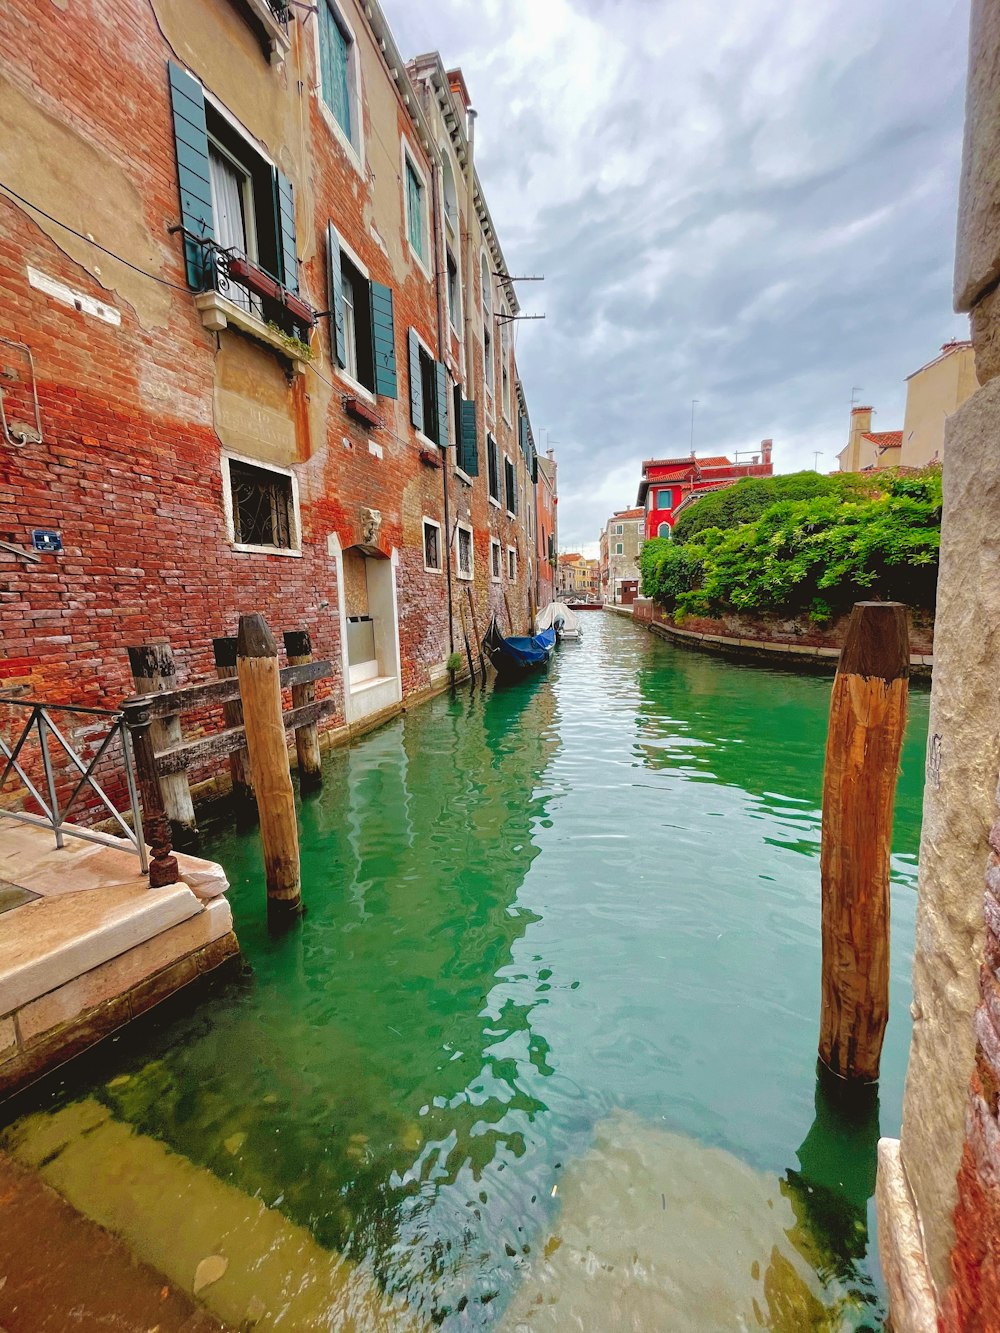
(55, 815)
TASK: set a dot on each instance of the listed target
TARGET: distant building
(621, 541)
(578, 578)
(547, 529)
(668, 484)
(933, 393)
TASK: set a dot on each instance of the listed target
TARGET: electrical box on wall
(46, 539)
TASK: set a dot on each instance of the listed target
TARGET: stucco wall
(932, 395)
(962, 760)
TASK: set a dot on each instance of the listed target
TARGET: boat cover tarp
(548, 616)
(530, 650)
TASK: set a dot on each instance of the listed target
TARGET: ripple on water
(546, 1037)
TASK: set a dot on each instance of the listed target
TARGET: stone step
(247, 1263)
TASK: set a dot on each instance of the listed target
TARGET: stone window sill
(217, 312)
(278, 40)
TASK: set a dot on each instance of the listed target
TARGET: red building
(670, 484)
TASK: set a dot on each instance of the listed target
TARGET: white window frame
(453, 228)
(355, 155)
(455, 324)
(425, 440)
(511, 563)
(619, 548)
(617, 530)
(496, 548)
(432, 523)
(295, 518)
(503, 483)
(495, 502)
(408, 156)
(355, 386)
(465, 527)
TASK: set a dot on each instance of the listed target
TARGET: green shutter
(522, 430)
(284, 217)
(338, 338)
(333, 58)
(441, 395)
(534, 468)
(416, 387)
(187, 100)
(468, 445)
(383, 340)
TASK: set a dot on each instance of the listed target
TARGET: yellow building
(933, 393)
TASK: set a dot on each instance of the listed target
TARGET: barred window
(262, 506)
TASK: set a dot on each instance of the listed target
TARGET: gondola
(518, 655)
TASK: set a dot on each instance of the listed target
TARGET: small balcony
(237, 292)
(269, 18)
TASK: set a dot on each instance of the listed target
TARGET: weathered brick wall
(129, 469)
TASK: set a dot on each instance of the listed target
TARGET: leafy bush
(816, 555)
(752, 496)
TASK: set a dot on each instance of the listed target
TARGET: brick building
(248, 270)
(621, 541)
(548, 527)
(668, 484)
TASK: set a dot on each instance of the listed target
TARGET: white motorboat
(558, 616)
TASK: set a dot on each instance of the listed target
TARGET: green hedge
(816, 555)
(751, 497)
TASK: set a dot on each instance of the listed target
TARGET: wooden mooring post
(153, 670)
(260, 688)
(867, 720)
(298, 649)
(163, 869)
(224, 650)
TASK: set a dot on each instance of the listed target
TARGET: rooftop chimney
(457, 84)
(765, 451)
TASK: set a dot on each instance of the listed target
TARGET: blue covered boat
(519, 654)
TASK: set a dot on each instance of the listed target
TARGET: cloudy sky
(749, 204)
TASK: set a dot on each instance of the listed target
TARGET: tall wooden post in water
(224, 650)
(153, 670)
(260, 689)
(867, 719)
(298, 649)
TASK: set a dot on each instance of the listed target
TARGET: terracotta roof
(885, 439)
(570, 558)
(686, 462)
(626, 513)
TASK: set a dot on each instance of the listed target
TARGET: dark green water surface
(528, 911)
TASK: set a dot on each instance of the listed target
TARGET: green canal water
(561, 952)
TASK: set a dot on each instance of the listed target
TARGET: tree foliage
(748, 499)
(817, 555)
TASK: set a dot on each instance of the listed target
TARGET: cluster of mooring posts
(249, 689)
(865, 738)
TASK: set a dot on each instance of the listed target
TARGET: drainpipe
(442, 333)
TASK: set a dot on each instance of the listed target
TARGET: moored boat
(561, 618)
(517, 655)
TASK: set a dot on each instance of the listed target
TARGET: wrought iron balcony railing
(249, 286)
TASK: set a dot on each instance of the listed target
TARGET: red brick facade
(139, 401)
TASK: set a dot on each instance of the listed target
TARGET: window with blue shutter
(441, 403)
(416, 381)
(284, 202)
(510, 486)
(383, 340)
(338, 333)
(415, 228)
(467, 446)
(336, 60)
(493, 468)
(187, 101)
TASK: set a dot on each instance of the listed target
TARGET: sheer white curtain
(229, 186)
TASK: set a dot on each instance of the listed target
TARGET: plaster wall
(962, 760)
(932, 395)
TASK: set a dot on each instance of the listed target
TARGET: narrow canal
(542, 1053)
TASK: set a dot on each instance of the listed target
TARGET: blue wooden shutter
(468, 445)
(333, 58)
(416, 386)
(338, 337)
(383, 340)
(187, 101)
(534, 468)
(441, 397)
(284, 216)
(522, 425)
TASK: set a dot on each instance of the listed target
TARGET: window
(619, 548)
(664, 499)
(663, 530)
(510, 486)
(338, 77)
(463, 551)
(495, 560)
(493, 467)
(454, 293)
(242, 189)
(450, 193)
(432, 546)
(512, 564)
(362, 333)
(416, 209)
(260, 506)
(486, 283)
(505, 363)
(428, 385)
